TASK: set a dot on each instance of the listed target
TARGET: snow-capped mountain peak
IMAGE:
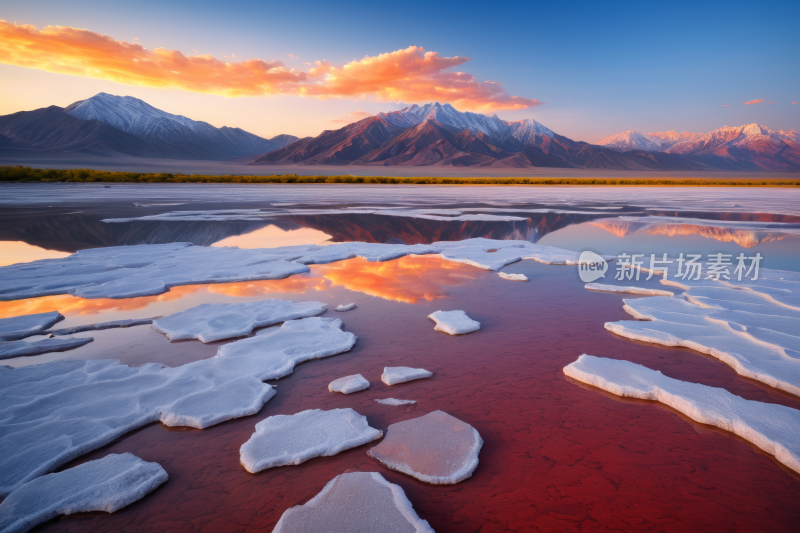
(631, 140)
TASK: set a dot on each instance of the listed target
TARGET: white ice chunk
(21, 348)
(627, 289)
(348, 384)
(19, 327)
(355, 502)
(392, 375)
(513, 277)
(107, 484)
(290, 440)
(345, 307)
(56, 411)
(436, 448)
(454, 322)
(213, 322)
(103, 325)
(395, 401)
(771, 427)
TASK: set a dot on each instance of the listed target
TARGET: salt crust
(150, 269)
(454, 322)
(627, 289)
(19, 327)
(752, 326)
(348, 384)
(290, 440)
(513, 277)
(395, 401)
(392, 375)
(771, 427)
(106, 484)
(102, 325)
(213, 322)
(56, 411)
(21, 348)
(345, 307)
(355, 502)
(436, 448)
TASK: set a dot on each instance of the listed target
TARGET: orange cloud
(352, 116)
(751, 102)
(409, 75)
(795, 103)
(725, 105)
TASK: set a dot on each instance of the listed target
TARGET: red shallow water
(557, 455)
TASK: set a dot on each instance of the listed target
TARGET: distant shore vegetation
(19, 174)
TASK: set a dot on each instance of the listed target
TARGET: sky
(586, 70)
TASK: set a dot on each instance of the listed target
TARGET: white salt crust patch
(348, 384)
(213, 322)
(513, 277)
(54, 412)
(19, 327)
(106, 484)
(290, 440)
(454, 322)
(102, 325)
(436, 448)
(392, 375)
(345, 307)
(150, 269)
(771, 427)
(21, 348)
(395, 401)
(355, 502)
(752, 326)
(627, 289)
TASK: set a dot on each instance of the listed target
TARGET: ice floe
(771, 427)
(19, 327)
(357, 502)
(454, 322)
(345, 307)
(56, 411)
(627, 289)
(102, 325)
(392, 375)
(348, 384)
(753, 326)
(290, 440)
(395, 401)
(9, 349)
(513, 277)
(106, 484)
(436, 448)
(213, 322)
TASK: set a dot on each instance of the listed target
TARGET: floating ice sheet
(348, 384)
(19, 327)
(355, 502)
(107, 484)
(290, 440)
(513, 277)
(345, 307)
(773, 428)
(436, 448)
(627, 289)
(103, 325)
(54, 412)
(752, 326)
(392, 375)
(395, 401)
(454, 322)
(213, 322)
(22, 348)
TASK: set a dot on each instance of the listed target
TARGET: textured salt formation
(19, 327)
(56, 411)
(107, 484)
(103, 325)
(290, 440)
(395, 401)
(357, 502)
(627, 289)
(22, 348)
(213, 322)
(752, 326)
(454, 322)
(392, 375)
(150, 269)
(436, 448)
(345, 307)
(773, 428)
(348, 384)
(513, 277)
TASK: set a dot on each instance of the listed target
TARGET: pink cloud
(725, 105)
(753, 102)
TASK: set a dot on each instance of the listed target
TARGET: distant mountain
(631, 140)
(670, 138)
